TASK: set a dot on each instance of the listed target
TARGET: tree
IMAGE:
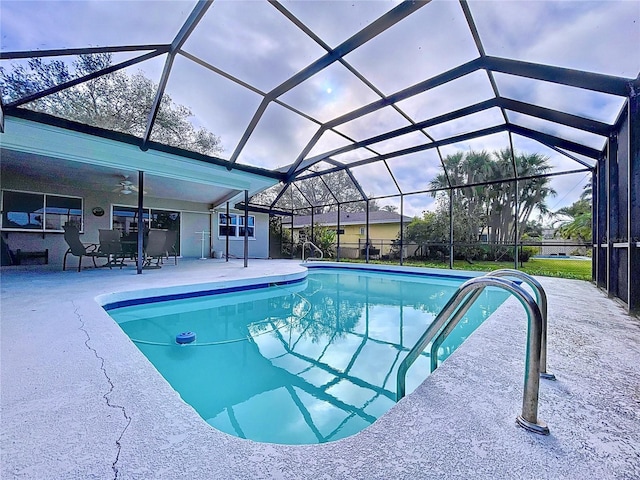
(425, 229)
(490, 207)
(432, 232)
(323, 237)
(116, 101)
(575, 221)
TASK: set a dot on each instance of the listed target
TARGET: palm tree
(576, 220)
(465, 169)
(492, 206)
(533, 192)
(500, 197)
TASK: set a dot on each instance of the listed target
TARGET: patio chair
(77, 248)
(111, 248)
(170, 245)
(155, 249)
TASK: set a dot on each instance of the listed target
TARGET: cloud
(462, 92)
(252, 41)
(591, 36)
(598, 37)
(433, 39)
(375, 180)
(330, 93)
(415, 205)
(218, 104)
(337, 20)
(30, 25)
(278, 139)
(328, 142)
(585, 103)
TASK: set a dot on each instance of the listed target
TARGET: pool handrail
(541, 299)
(314, 246)
(528, 419)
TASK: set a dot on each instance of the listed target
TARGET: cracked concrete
(57, 421)
(114, 465)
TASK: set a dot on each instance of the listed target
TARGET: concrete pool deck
(80, 401)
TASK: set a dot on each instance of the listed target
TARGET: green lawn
(547, 267)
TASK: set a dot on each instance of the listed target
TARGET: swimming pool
(307, 362)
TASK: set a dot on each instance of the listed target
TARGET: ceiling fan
(125, 186)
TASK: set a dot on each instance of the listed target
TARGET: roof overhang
(30, 138)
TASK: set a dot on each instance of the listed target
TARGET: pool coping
(178, 292)
(95, 408)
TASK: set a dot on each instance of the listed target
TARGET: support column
(140, 260)
(451, 236)
(595, 248)
(602, 219)
(634, 203)
(292, 244)
(246, 228)
(401, 230)
(281, 237)
(226, 246)
(367, 232)
(516, 230)
(338, 235)
(613, 217)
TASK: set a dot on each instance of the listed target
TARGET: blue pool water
(310, 362)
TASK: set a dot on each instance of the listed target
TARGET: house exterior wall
(195, 217)
(380, 237)
(352, 241)
(377, 231)
(192, 226)
(258, 246)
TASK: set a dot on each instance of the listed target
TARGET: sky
(253, 42)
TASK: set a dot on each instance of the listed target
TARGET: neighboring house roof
(349, 218)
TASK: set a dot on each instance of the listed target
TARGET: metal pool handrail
(541, 298)
(528, 419)
(314, 246)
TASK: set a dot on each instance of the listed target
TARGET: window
(227, 228)
(40, 211)
(250, 227)
(362, 231)
(234, 225)
(125, 219)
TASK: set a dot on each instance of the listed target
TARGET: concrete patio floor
(80, 401)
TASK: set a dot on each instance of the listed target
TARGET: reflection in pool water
(306, 363)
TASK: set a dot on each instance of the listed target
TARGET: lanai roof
(378, 92)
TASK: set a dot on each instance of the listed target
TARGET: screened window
(40, 211)
(234, 225)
